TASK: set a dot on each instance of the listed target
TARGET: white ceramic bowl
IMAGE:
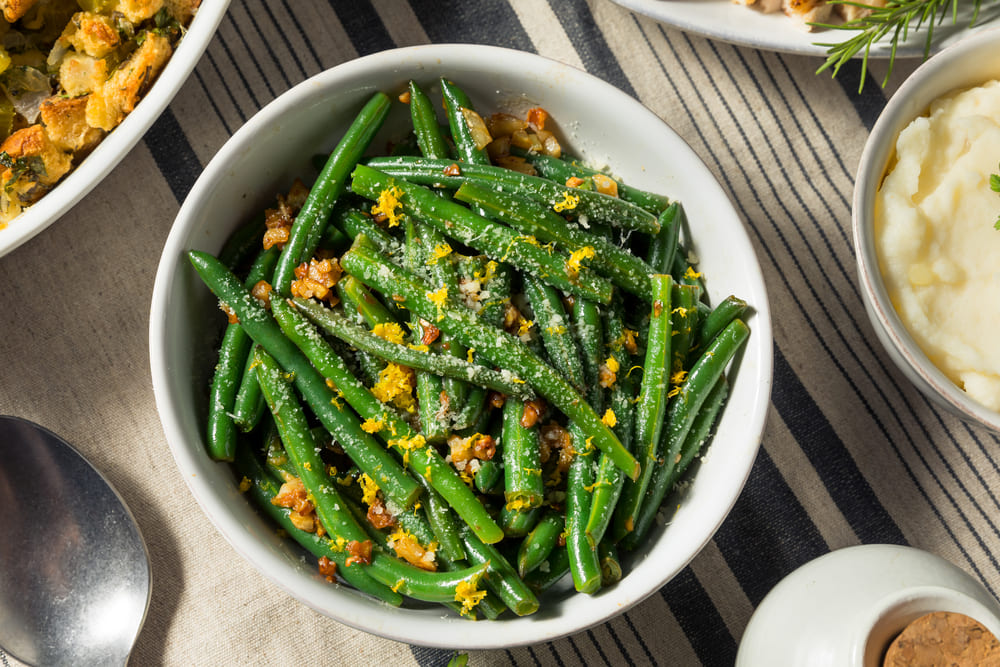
(119, 141)
(597, 121)
(971, 62)
(845, 607)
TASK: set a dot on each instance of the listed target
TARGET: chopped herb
(894, 21)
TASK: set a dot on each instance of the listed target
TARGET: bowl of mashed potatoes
(926, 228)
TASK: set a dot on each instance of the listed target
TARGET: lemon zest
(387, 205)
(369, 489)
(468, 593)
(390, 331)
(440, 250)
(569, 202)
(573, 265)
(373, 425)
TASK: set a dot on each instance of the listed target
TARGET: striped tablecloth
(852, 453)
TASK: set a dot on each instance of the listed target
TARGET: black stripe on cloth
(776, 91)
(870, 101)
(299, 32)
(768, 533)
(252, 53)
(484, 22)
(864, 368)
(589, 43)
(173, 154)
(293, 51)
(431, 657)
(211, 101)
(827, 140)
(364, 26)
(268, 48)
(223, 83)
(642, 644)
(555, 655)
(833, 463)
(698, 617)
(220, 38)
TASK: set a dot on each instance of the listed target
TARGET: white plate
(736, 24)
(117, 144)
(598, 122)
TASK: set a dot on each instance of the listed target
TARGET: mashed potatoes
(938, 250)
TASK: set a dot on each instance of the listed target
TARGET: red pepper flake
(452, 170)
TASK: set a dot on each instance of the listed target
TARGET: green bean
(432, 404)
(233, 353)
(728, 310)
(493, 239)
(489, 477)
(456, 103)
(369, 365)
(495, 281)
(262, 488)
(425, 124)
(523, 485)
(589, 330)
(501, 578)
(651, 405)
(584, 566)
(683, 411)
(583, 557)
(354, 222)
(249, 405)
(683, 316)
(611, 567)
(518, 522)
(540, 542)
(596, 206)
(663, 247)
(304, 454)
(700, 428)
(444, 272)
(475, 406)
(562, 169)
(332, 508)
(549, 572)
(609, 479)
(621, 267)
(441, 522)
(261, 327)
(335, 324)
(371, 310)
(554, 326)
(683, 272)
(302, 449)
(392, 428)
(496, 346)
(331, 182)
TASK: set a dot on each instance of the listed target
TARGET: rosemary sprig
(896, 20)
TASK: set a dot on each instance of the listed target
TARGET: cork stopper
(944, 639)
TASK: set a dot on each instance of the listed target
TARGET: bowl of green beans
(504, 353)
